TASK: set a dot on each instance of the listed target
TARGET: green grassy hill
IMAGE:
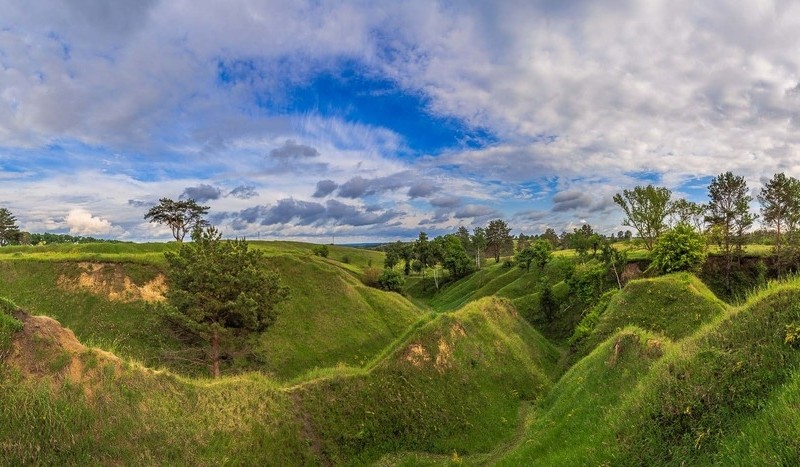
(674, 305)
(454, 383)
(664, 374)
(331, 318)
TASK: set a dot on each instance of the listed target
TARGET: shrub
(680, 249)
(321, 250)
(390, 280)
(346, 259)
(371, 276)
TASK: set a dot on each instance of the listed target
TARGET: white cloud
(82, 222)
(584, 92)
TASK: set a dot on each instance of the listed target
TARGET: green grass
(129, 415)
(770, 437)
(577, 422)
(666, 375)
(331, 318)
(674, 305)
(717, 383)
(482, 362)
(455, 384)
(133, 328)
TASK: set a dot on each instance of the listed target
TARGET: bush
(321, 250)
(346, 259)
(371, 277)
(680, 249)
(390, 280)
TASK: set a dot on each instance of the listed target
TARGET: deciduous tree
(780, 208)
(646, 209)
(729, 210)
(498, 239)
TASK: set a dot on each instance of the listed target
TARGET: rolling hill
(666, 374)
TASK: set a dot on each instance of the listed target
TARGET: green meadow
(661, 372)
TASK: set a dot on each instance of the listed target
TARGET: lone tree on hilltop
(9, 232)
(646, 209)
(180, 216)
(219, 290)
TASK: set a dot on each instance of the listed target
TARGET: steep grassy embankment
(454, 383)
(710, 398)
(331, 317)
(674, 305)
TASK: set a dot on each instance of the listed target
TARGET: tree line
(725, 220)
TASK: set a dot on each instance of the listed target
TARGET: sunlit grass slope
(65, 404)
(455, 383)
(576, 423)
(674, 305)
(724, 394)
(718, 384)
(331, 317)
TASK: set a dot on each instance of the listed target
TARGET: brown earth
(45, 349)
(109, 280)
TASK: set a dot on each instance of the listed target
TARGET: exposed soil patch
(109, 280)
(416, 355)
(43, 348)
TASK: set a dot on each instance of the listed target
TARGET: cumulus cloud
(243, 192)
(611, 98)
(324, 188)
(570, 200)
(422, 189)
(358, 186)
(309, 213)
(292, 150)
(137, 203)
(82, 222)
(474, 210)
(446, 201)
(202, 193)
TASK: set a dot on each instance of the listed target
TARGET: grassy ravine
(331, 318)
(454, 384)
(667, 375)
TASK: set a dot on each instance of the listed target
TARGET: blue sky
(375, 120)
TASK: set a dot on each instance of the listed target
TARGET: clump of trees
(220, 291)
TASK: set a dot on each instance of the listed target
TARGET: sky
(375, 120)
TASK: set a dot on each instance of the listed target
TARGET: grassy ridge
(331, 318)
(455, 384)
(722, 394)
(674, 305)
(481, 362)
(576, 423)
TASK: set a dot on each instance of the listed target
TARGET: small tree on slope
(220, 290)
